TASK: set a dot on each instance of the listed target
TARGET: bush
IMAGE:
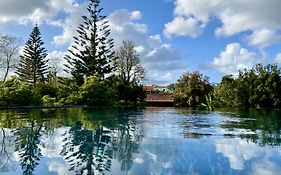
(16, 93)
(191, 90)
(49, 89)
(95, 92)
(48, 101)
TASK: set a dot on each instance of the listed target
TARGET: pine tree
(33, 64)
(91, 54)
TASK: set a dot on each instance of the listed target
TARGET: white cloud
(278, 58)
(45, 11)
(70, 24)
(234, 58)
(263, 38)
(32, 10)
(66, 15)
(236, 17)
(57, 62)
(160, 60)
(181, 26)
(139, 49)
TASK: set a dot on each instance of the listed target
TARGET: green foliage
(16, 93)
(46, 89)
(49, 101)
(33, 65)
(95, 92)
(134, 93)
(91, 54)
(191, 89)
(257, 87)
(225, 94)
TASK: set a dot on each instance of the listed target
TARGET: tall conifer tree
(33, 64)
(91, 53)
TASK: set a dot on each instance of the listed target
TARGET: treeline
(259, 87)
(99, 74)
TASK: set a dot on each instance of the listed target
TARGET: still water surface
(152, 141)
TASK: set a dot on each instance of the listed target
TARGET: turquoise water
(151, 141)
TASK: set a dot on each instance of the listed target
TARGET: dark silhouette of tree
(33, 64)
(27, 145)
(91, 53)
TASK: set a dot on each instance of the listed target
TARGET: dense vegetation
(256, 87)
(102, 76)
(191, 89)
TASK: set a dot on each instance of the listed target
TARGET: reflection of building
(156, 88)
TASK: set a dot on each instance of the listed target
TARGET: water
(151, 141)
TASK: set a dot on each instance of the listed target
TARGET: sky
(214, 37)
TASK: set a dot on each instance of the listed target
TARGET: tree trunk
(7, 70)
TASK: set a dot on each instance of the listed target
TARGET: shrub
(16, 93)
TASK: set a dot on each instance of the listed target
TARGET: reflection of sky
(205, 156)
(164, 151)
(174, 143)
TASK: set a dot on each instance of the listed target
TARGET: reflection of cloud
(152, 156)
(53, 145)
(59, 168)
(138, 160)
(266, 167)
(237, 151)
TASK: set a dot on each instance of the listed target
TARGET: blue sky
(216, 37)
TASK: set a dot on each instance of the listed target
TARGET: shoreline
(41, 107)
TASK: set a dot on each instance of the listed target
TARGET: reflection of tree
(125, 144)
(90, 148)
(88, 151)
(5, 159)
(28, 139)
(265, 126)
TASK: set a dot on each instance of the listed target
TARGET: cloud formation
(160, 60)
(234, 58)
(235, 16)
(278, 58)
(33, 10)
(158, 57)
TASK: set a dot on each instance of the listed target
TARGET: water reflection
(262, 127)
(149, 141)
(89, 139)
(6, 142)
(27, 146)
